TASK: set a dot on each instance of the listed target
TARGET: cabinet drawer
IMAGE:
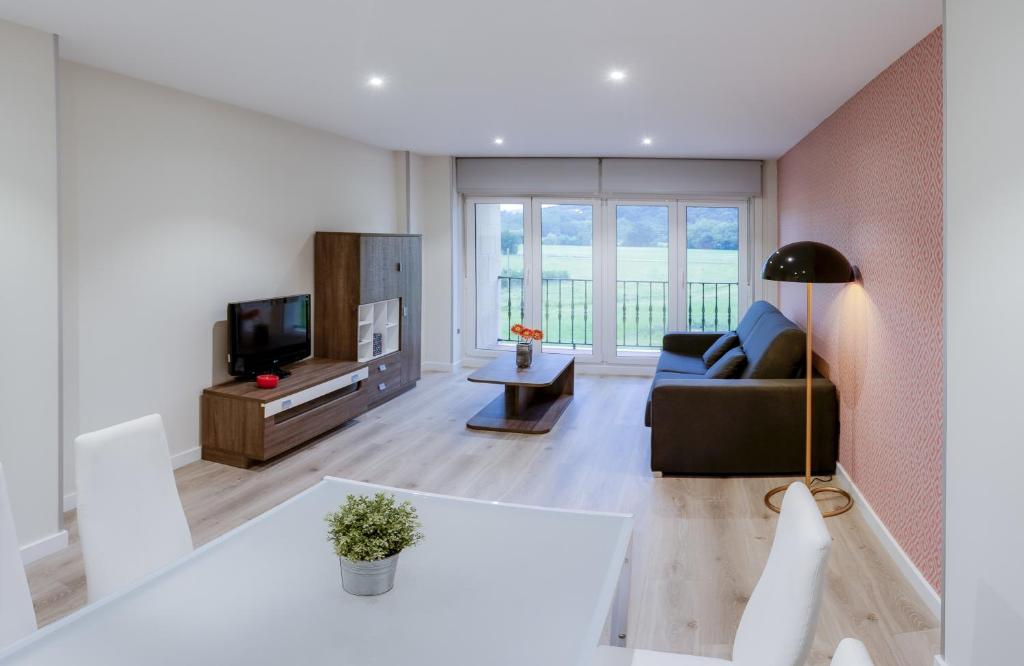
(290, 428)
(383, 385)
(384, 365)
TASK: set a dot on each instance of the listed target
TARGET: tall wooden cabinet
(353, 269)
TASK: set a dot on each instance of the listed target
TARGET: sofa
(752, 424)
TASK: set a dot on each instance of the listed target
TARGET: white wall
(766, 232)
(430, 204)
(174, 206)
(984, 580)
(29, 416)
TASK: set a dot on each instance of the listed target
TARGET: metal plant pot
(367, 579)
(524, 354)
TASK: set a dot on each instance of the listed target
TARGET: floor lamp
(809, 262)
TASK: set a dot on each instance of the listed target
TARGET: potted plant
(524, 348)
(368, 533)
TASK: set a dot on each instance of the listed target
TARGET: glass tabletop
(491, 583)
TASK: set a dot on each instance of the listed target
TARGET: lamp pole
(809, 262)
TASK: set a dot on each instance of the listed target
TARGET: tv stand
(243, 424)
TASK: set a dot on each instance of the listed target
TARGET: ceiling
(704, 78)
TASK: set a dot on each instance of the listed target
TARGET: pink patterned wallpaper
(868, 181)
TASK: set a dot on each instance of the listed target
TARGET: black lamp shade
(808, 261)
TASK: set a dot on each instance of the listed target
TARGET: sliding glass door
(605, 280)
(643, 291)
(499, 232)
(566, 288)
(714, 266)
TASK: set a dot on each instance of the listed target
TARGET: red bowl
(266, 381)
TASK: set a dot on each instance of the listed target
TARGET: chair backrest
(130, 518)
(17, 616)
(779, 621)
(851, 652)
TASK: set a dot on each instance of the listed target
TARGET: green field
(641, 293)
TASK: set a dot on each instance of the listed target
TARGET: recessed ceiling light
(498, 140)
(375, 82)
(646, 141)
(617, 75)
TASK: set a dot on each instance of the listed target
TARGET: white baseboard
(924, 590)
(939, 661)
(185, 457)
(177, 460)
(435, 366)
(623, 370)
(616, 370)
(45, 546)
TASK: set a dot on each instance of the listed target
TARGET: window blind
(681, 177)
(501, 176)
(527, 175)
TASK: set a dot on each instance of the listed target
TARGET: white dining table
(492, 584)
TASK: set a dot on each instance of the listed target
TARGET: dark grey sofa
(746, 426)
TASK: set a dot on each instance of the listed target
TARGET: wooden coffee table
(534, 397)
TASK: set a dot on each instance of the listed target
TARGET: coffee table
(534, 397)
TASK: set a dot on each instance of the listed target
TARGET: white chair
(130, 518)
(851, 652)
(779, 621)
(17, 616)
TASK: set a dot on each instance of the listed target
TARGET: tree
(510, 241)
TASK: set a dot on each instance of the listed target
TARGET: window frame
(471, 266)
(604, 349)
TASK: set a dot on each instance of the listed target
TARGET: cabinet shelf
(382, 320)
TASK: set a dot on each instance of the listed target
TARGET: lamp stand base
(815, 491)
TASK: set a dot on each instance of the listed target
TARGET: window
(642, 294)
(567, 276)
(499, 234)
(605, 280)
(712, 267)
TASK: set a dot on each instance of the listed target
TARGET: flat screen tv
(267, 334)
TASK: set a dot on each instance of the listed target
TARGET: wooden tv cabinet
(243, 424)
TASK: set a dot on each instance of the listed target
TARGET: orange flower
(518, 329)
(537, 334)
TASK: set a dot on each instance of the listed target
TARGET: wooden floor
(699, 545)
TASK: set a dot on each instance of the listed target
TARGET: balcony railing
(712, 306)
(641, 314)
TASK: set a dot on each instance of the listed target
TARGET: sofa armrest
(726, 426)
(694, 343)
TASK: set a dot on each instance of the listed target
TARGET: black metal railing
(512, 303)
(642, 313)
(641, 310)
(712, 306)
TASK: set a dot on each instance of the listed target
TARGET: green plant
(371, 528)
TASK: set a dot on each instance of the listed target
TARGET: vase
(368, 579)
(524, 354)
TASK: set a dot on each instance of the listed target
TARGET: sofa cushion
(682, 363)
(719, 347)
(728, 366)
(774, 348)
(754, 313)
(658, 376)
